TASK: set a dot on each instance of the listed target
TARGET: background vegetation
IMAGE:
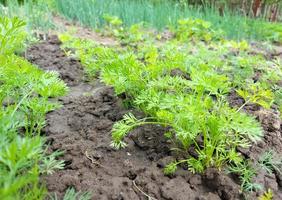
(235, 17)
(268, 9)
(167, 13)
(36, 13)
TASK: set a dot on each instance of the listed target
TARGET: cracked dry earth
(82, 129)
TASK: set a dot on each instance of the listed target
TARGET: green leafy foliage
(272, 32)
(37, 14)
(160, 14)
(71, 194)
(189, 29)
(254, 93)
(186, 105)
(185, 84)
(122, 128)
(246, 125)
(246, 173)
(49, 163)
(12, 35)
(113, 25)
(20, 171)
(49, 85)
(171, 168)
(113, 20)
(206, 79)
(270, 163)
(24, 95)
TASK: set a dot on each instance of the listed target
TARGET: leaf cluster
(270, 163)
(71, 194)
(246, 174)
(24, 96)
(198, 29)
(12, 35)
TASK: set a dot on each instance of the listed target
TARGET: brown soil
(82, 32)
(266, 51)
(82, 129)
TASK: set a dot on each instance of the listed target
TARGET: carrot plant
(11, 35)
(193, 102)
(24, 95)
(255, 93)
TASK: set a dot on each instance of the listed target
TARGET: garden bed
(82, 129)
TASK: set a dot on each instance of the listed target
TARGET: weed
(71, 194)
(268, 162)
(246, 173)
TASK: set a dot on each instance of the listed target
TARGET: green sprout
(269, 163)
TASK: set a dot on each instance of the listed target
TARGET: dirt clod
(270, 121)
(177, 189)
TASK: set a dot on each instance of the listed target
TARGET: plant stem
(243, 105)
(156, 123)
(20, 102)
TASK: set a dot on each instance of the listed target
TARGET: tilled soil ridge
(82, 129)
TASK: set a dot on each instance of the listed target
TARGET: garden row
(24, 94)
(186, 81)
